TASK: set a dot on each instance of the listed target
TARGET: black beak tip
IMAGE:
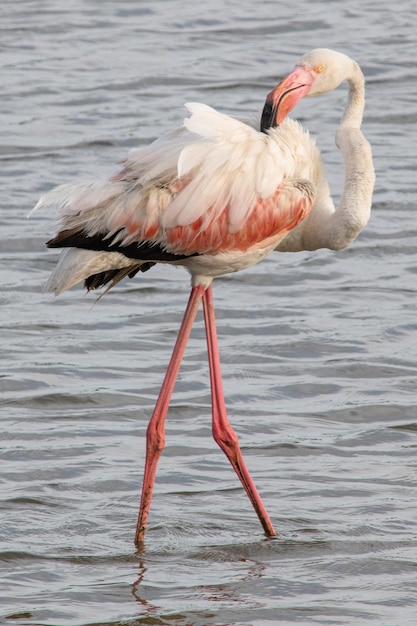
(268, 116)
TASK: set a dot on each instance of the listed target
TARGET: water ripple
(318, 350)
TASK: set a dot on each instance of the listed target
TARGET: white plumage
(229, 163)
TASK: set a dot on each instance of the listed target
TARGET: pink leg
(155, 434)
(223, 433)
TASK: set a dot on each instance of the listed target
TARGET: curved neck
(354, 210)
(353, 114)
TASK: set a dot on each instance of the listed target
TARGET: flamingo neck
(353, 114)
(336, 228)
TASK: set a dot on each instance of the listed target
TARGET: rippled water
(319, 349)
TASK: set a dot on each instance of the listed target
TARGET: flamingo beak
(281, 100)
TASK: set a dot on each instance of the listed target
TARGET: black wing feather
(146, 252)
(142, 250)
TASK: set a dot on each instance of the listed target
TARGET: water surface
(318, 349)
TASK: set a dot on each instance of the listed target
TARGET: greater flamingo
(217, 196)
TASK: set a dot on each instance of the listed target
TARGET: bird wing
(216, 184)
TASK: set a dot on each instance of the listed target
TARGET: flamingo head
(317, 72)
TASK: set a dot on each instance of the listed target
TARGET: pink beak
(283, 98)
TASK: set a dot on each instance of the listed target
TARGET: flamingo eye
(319, 69)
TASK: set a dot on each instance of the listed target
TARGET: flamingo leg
(155, 434)
(223, 433)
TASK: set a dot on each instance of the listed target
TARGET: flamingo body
(217, 196)
(217, 191)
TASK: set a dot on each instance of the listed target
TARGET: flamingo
(217, 196)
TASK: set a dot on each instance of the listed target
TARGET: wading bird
(217, 196)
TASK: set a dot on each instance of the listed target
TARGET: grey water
(319, 349)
